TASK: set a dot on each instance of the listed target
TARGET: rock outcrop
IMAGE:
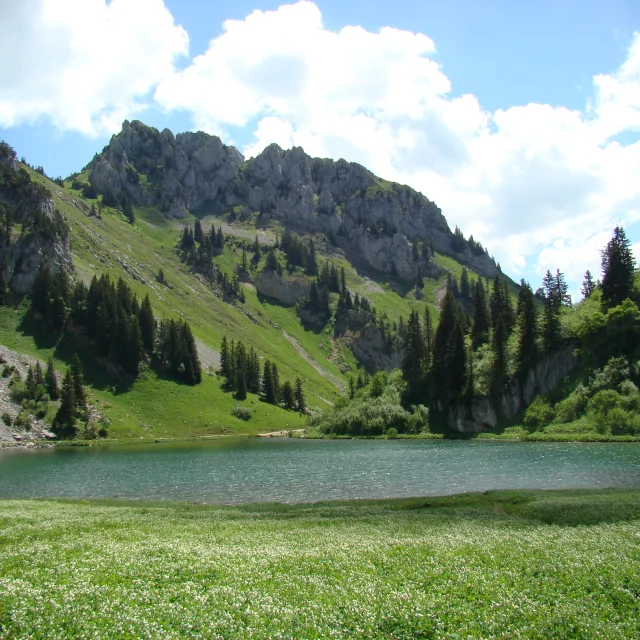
(288, 291)
(389, 227)
(44, 235)
(483, 414)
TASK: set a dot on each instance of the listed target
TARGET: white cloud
(541, 186)
(83, 65)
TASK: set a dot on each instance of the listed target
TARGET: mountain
(316, 267)
(384, 226)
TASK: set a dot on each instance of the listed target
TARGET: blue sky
(520, 120)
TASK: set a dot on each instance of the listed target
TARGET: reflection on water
(290, 470)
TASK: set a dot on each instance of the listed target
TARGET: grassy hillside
(494, 565)
(157, 407)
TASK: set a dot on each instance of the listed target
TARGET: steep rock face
(43, 238)
(367, 341)
(287, 291)
(390, 227)
(544, 377)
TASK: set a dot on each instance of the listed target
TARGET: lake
(238, 471)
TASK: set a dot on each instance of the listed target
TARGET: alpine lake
(293, 470)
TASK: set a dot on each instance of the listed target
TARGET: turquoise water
(293, 470)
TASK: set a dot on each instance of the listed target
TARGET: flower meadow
(498, 565)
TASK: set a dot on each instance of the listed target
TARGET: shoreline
(305, 435)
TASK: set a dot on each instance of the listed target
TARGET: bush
(615, 372)
(23, 421)
(7, 371)
(392, 433)
(539, 413)
(601, 405)
(7, 419)
(573, 406)
(378, 384)
(419, 419)
(241, 412)
(622, 422)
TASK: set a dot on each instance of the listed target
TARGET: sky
(520, 120)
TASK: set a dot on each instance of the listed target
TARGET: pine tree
(256, 251)
(241, 385)
(301, 404)
(78, 383)
(448, 370)
(343, 282)
(428, 337)
(198, 236)
(268, 388)
(527, 327)
(51, 381)
(499, 344)
(147, 324)
(413, 357)
(288, 399)
(276, 381)
(65, 417)
(465, 288)
(551, 312)
(352, 388)
(481, 319)
(38, 375)
(244, 264)
(618, 265)
(588, 285)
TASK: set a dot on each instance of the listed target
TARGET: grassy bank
(502, 564)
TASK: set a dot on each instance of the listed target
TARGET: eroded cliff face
(390, 227)
(483, 414)
(33, 232)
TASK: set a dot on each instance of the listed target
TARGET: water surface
(293, 470)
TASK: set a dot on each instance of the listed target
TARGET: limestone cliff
(33, 232)
(483, 414)
(386, 226)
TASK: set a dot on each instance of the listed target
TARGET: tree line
(121, 330)
(439, 363)
(242, 373)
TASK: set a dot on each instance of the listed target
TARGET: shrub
(615, 371)
(6, 371)
(23, 421)
(601, 405)
(7, 419)
(419, 419)
(621, 422)
(241, 412)
(392, 433)
(378, 384)
(573, 406)
(539, 413)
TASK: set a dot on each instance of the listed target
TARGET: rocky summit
(384, 226)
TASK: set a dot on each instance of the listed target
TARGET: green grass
(495, 565)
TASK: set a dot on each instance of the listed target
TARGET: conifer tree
(51, 381)
(276, 381)
(527, 327)
(244, 264)
(268, 387)
(78, 382)
(288, 398)
(352, 388)
(147, 324)
(499, 344)
(198, 236)
(301, 404)
(65, 417)
(618, 265)
(428, 337)
(256, 251)
(38, 375)
(481, 319)
(551, 312)
(465, 288)
(588, 285)
(413, 357)
(241, 385)
(449, 355)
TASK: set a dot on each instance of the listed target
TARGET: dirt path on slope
(323, 372)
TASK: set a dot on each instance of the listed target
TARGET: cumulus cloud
(541, 186)
(83, 65)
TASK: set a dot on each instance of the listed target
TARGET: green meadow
(495, 565)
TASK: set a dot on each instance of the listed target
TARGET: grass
(495, 565)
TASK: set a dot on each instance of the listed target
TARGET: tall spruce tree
(78, 381)
(301, 404)
(618, 265)
(588, 285)
(413, 357)
(481, 318)
(65, 417)
(51, 381)
(268, 387)
(428, 336)
(449, 355)
(527, 327)
(147, 324)
(288, 398)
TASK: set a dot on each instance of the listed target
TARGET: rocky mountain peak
(385, 226)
